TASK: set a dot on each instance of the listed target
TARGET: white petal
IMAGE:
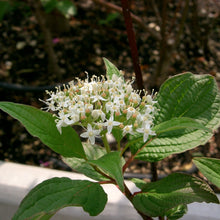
(59, 125)
(59, 128)
(96, 132)
(84, 135)
(109, 128)
(103, 116)
(145, 137)
(116, 123)
(89, 127)
(92, 139)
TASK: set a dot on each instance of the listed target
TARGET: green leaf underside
(110, 69)
(111, 164)
(93, 152)
(162, 147)
(176, 189)
(42, 216)
(42, 125)
(176, 212)
(177, 124)
(210, 168)
(189, 96)
(56, 193)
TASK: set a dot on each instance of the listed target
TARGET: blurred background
(48, 42)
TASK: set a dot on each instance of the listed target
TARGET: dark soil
(79, 49)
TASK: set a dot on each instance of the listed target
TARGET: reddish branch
(132, 43)
(129, 196)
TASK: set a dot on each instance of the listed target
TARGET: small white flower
(99, 126)
(87, 87)
(130, 112)
(97, 98)
(110, 123)
(63, 121)
(149, 100)
(128, 129)
(149, 108)
(118, 84)
(72, 109)
(53, 97)
(98, 113)
(50, 105)
(146, 130)
(79, 104)
(74, 118)
(134, 97)
(129, 88)
(89, 107)
(108, 84)
(108, 106)
(118, 97)
(81, 111)
(90, 133)
(113, 91)
(66, 102)
(95, 86)
(60, 124)
(115, 78)
(144, 118)
(82, 98)
(121, 103)
(115, 108)
(118, 100)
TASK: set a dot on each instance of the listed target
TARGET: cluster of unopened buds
(101, 105)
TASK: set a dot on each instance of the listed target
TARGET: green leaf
(177, 124)
(56, 193)
(111, 164)
(66, 7)
(210, 168)
(111, 69)
(176, 212)
(189, 96)
(42, 125)
(158, 197)
(93, 152)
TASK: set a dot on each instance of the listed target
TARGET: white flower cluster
(102, 104)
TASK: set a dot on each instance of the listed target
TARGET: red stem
(134, 155)
(132, 43)
(106, 182)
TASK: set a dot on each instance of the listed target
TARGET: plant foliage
(188, 117)
(43, 201)
(183, 116)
